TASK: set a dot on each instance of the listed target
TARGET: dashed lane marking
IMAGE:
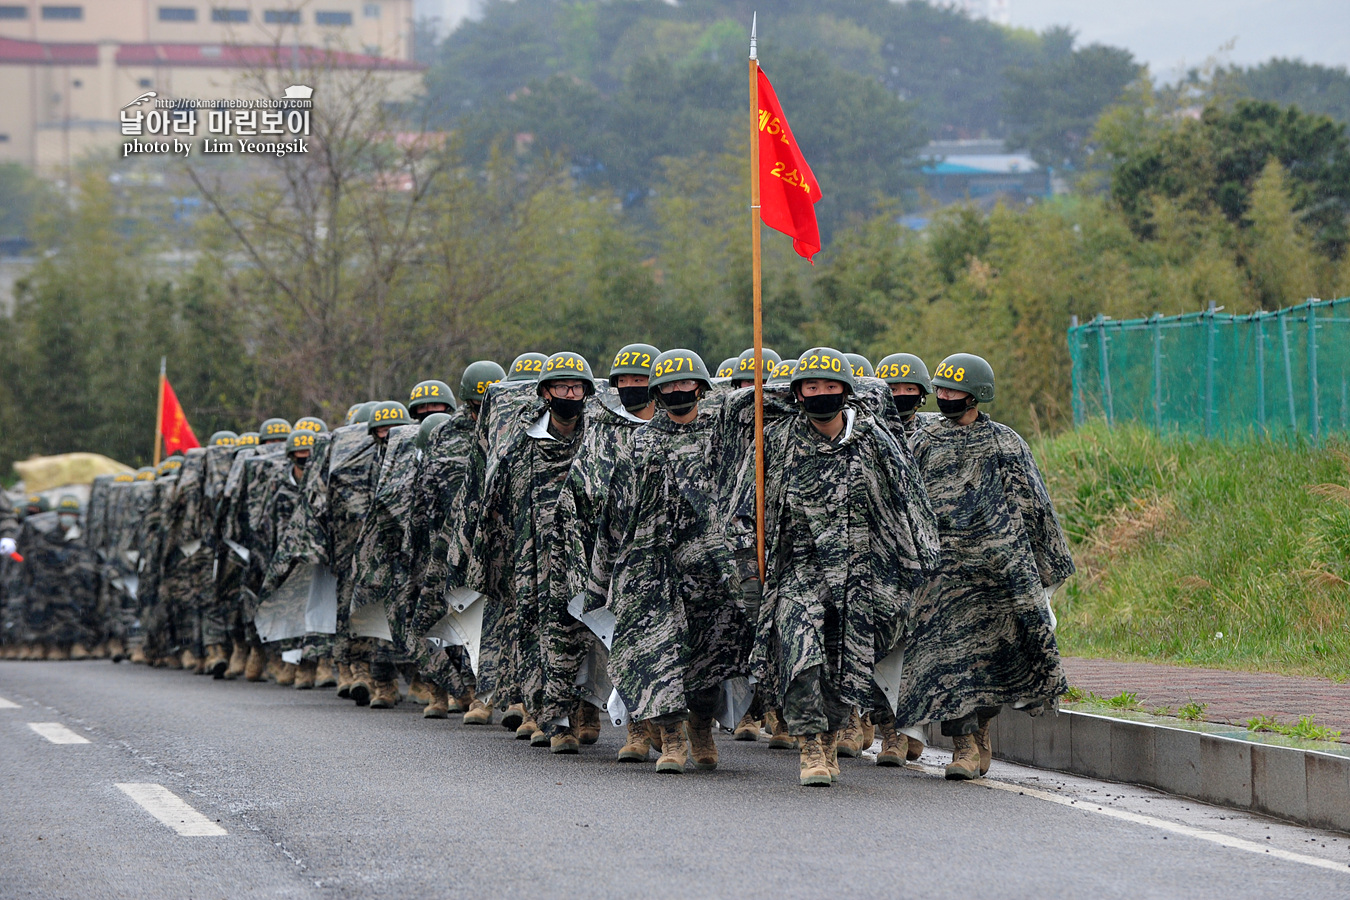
(8, 704)
(171, 809)
(57, 733)
(1203, 834)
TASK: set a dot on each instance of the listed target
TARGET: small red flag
(177, 432)
(787, 188)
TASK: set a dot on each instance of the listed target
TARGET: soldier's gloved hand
(7, 546)
(752, 595)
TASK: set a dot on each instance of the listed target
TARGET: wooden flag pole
(758, 298)
(159, 411)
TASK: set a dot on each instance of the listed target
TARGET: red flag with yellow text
(787, 188)
(177, 432)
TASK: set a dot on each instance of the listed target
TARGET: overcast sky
(1170, 34)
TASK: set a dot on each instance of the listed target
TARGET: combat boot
(188, 659)
(514, 717)
(138, 657)
(238, 660)
(359, 692)
(869, 732)
(527, 729)
(747, 729)
(58, 652)
(385, 695)
(639, 742)
(829, 741)
(324, 676)
(674, 749)
(117, 651)
(272, 671)
(892, 747)
(914, 748)
(654, 736)
(983, 745)
(965, 763)
(564, 742)
(420, 691)
(455, 704)
(304, 675)
(587, 727)
(851, 737)
(701, 744)
(479, 713)
(255, 665)
(344, 681)
(286, 673)
(779, 739)
(464, 701)
(216, 661)
(79, 651)
(439, 707)
(815, 771)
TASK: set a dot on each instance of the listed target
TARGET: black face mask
(567, 409)
(634, 398)
(299, 461)
(678, 402)
(905, 404)
(954, 409)
(823, 407)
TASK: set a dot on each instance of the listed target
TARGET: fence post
(1076, 364)
(1314, 416)
(1209, 371)
(1157, 372)
(1100, 322)
(1260, 369)
(1288, 371)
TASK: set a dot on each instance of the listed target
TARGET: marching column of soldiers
(542, 546)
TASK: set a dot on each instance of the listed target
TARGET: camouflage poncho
(382, 571)
(59, 582)
(981, 629)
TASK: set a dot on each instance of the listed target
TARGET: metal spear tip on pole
(754, 39)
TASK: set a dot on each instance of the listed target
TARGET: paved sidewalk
(1232, 696)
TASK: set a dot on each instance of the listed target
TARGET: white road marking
(8, 704)
(170, 809)
(57, 733)
(1203, 834)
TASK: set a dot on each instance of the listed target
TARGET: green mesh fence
(1217, 375)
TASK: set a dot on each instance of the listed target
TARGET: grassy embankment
(1231, 555)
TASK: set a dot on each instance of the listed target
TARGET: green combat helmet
(222, 439)
(678, 365)
(824, 362)
(387, 414)
(745, 365)
(526, 367)
(429, 393)
(783, 372)
(567, 366)
(124, 477)
(311, 423)
(727, 368)
(299, 440)
(145, 473)
(247, 439)
(37, 503)
(273, 430)
(428, 426)
(966, 372)
(363, 412)
(634, 359)
(861, 367)
(68, 503)
(351, 414)
(169, 466)
(477, 378)
(905, 368)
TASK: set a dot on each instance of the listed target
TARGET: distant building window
(13, 12)
(282, 17)
(371, 10)
(64, 13)
(177, 14)
(229, 15)
(332, 18)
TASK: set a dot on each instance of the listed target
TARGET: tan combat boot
(359, 692)
(255, 665)
(564, 742)
(138, 657)
(965, 763)
(747, 729)
(702, 746)
(892, 747)
(58, 652)
(639, 742)
(117, 651)
(455, 704)
(344, 681)
(385, 695)
(537, 736)
(324, 675)
(514, 717)
(420, 691)
(587, 726)
(674, 749)
(304, 675)
(79, 651)
(654, 736)
(238, 661)
(216, 661)
(286, 673)
(189, 660)
(983, 745)
(851, 737)
(829, 742)
(479, 713)
(914, 748)
(779, 739)
(439, 705)
(869, 732)
(815, 770)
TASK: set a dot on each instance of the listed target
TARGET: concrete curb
(1302, 786)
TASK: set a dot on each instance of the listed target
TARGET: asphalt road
(317, 798)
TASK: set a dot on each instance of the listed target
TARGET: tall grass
(1235, 555)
